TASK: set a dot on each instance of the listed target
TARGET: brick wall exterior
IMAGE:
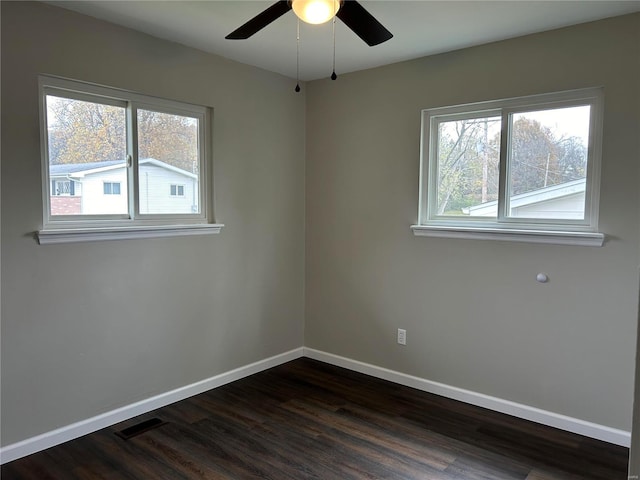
(61, 205)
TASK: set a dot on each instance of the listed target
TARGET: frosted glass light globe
(315, 11)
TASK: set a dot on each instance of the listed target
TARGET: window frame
(535, 229)
(61, 228)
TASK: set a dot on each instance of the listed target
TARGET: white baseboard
(84, 427)
(575, 425)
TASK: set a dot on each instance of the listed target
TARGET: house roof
(79, 170)
(67, 168)
(535, 196)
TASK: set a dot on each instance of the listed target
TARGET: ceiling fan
(352, 14)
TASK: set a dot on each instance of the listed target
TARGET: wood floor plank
(310, 420)
(371, 442)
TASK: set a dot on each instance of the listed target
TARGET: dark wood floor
(309, 420)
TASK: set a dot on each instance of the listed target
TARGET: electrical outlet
(402, 336)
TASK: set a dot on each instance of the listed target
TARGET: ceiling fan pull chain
(298, 58)
(333, 75)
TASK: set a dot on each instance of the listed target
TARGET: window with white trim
(64, 188)
(528, 165)
(176, 190)
(111, 188)
(119, 152)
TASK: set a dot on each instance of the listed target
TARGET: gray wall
(634, 453)
(475, 316)
(89, 327)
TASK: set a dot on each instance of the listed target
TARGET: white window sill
(585, 239)
(67, 235)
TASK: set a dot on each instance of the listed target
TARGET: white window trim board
(584, 239)
(66, 235)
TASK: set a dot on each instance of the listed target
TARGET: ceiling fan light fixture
(315, 11)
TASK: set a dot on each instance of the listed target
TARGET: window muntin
(529, 163)
(112, 149)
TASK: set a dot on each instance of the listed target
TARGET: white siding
(95, 202)
(567, 207)
(155, 188)
(155, 192)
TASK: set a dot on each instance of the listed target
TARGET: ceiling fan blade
(363, 23)
(260, 21)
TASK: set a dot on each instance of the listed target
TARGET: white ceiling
(420, 28)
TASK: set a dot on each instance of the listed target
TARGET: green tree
(468, 160)
(172, 139)
(467, 164)
(572, 154)
(539, 159)
(86, 132)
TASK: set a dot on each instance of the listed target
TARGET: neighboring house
(563, 201)
(101, 188)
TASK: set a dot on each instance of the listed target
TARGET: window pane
(86, 147)
(111, 188)
(548, 163)
(168, 156)
(468, 166)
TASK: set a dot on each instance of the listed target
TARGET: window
(525, 168)
(118, 152)
(65, 188)
(176, 190)
(111, 188)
